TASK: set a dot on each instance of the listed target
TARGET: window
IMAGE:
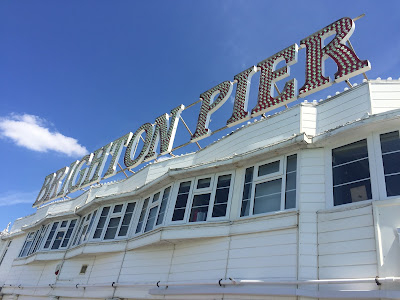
(83, 231)
(390, 146)
(28, 243)
(39, 239)
(270, 187)
(118, 218)
(203, 199)
(5, 252)
(60, 234)
(351, 176)
(155, 211)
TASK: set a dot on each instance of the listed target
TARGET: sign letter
(224, 90)
(345, 58)
(268, 77)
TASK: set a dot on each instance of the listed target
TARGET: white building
(303, 204)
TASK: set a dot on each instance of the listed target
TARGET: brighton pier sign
(89, 169)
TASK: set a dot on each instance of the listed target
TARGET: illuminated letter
(59, 176)
(45, 190)
(208, 106)
(164, 133)
(268, 77)
(79, 171)
(133, 143)
(345, 58)
(115, 152)
(96, 165)
(240, 113)
(63, 191)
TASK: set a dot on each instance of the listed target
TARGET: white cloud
(12, 198)
(29, 131)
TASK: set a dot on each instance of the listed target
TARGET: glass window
(156, 210)
(390, 145)
(204, 183)
(221, 196)
(181, 201)
(84, 228)
(27, 244)
(351, 177)
(206, 200)
(60, 234)
(127, 219)
(291, 178)
(102, 222)
(114, 219)
(268, 187)
(142, 215)
(5, 252)
(246, 197)
(200, 207)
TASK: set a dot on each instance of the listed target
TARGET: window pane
(181, 201)
(51, 234)
(151, 218)
(249, 175)
(268, 168)
(221, 196)
(198, 214)
(247, 191)
(267, 196)
(291, 181)
(390, 142)
(64, 224)
(351, 172)
(290, 199)
(245, 208)
(291, 163)
(352, 192)
(224, 181)
(392, 185)
(101, 223)
(68, 234)
(349, 152)
(184, 187)
(156, 197)
(78, 232)
(200, 208)
(117, 208)
(391, 163)
(90, 226)
(57, 240)
(112, 228)
(163, 206)
(142, 215)
(200, 200)
(203, 183)
(179, 214)
(219, 210)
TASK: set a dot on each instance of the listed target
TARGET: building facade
(303, 204)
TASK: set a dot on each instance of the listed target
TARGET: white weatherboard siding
(292, 243)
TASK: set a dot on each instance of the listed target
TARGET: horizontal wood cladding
(351, 105)
(261, 133)
(385, 96)
(346, 241)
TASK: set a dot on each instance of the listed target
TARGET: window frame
(110, 215)
(56, 231)
(380, 187)
(194, 191)
(151, 205)
(373, 160)
(280, 174)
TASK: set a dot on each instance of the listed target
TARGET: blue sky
(76, 75)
